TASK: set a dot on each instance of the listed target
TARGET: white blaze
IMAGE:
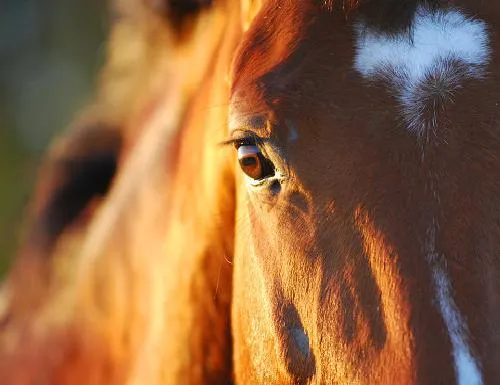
(436, 41)
(466, 367)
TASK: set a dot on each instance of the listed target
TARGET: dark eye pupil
(249, 161)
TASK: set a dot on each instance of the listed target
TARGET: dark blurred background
(50, 54)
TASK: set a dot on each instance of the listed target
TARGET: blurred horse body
(356, 241)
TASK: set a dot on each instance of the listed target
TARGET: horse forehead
(426, 60)
(423, 67)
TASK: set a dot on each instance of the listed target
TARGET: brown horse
(271, 192)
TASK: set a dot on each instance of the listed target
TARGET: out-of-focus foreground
(50, 53)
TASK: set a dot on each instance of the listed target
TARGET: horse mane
(81, 288)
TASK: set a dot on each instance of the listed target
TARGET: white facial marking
(406, 61)
(467, 369)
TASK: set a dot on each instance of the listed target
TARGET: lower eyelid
(266, 182)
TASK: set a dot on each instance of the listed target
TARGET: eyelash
(248, 140)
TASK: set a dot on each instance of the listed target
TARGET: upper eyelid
(250, 138)
(245, 137)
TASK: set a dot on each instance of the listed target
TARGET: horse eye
(253, 163)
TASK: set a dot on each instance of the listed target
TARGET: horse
(271, 192)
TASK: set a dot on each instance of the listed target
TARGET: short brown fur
(171, 269)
